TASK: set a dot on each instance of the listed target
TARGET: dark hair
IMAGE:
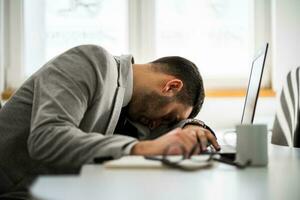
(192, 93)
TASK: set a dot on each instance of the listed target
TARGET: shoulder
(87, 66)
(92, 49)
(96, 56)
(85, 59)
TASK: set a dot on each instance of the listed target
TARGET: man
(86, 103)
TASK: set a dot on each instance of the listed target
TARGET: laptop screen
(254, 86)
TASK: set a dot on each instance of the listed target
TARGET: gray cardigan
(64, 116)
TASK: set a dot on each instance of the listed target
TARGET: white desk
(279, 180)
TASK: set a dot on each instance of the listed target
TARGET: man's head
(165, 91)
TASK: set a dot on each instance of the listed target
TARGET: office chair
(286, 130)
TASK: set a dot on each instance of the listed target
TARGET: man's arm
(187, 133)
(61, 97)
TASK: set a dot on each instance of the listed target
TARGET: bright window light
(215, 34)
(68, 23)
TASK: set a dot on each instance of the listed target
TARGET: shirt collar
(126, 73)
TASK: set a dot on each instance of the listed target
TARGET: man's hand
(186, 137)
(204, 135)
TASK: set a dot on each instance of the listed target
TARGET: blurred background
(219, 36)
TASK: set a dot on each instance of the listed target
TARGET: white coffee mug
(252, 144)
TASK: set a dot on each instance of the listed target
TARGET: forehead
(180, 110)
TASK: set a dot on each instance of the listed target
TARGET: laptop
(253, 89)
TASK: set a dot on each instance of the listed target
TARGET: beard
(144, 106)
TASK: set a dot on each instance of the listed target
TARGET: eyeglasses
(187, 161)
(182, 160)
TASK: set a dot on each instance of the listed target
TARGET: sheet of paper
(133, 162)
(141, 162)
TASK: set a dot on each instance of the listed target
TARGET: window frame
(2, 77)
(13, 45)
(141, 29)
(141, 36)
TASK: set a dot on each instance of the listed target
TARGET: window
(215, 34)
(62, 24)
(219, 36)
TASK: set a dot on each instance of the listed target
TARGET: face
(153, 110)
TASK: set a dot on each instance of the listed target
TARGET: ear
(172, 87)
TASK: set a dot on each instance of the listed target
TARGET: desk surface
(279, 180)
